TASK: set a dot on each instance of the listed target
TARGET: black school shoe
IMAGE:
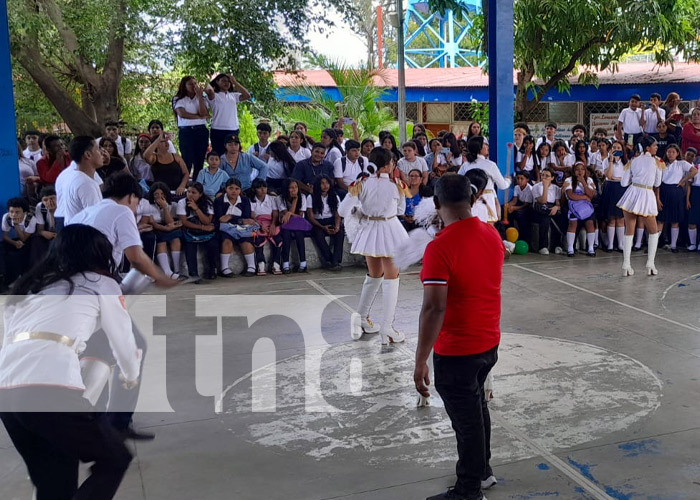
(451, 495)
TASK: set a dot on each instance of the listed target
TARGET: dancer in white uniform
(477, 152)
(377, 200)
(643, 176)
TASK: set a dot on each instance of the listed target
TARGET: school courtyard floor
(596, 390)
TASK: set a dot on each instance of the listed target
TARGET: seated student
(266, 215)
(366, 147)
(144, 223)
(241, 165)
(44, 215)
(580, 191)
(322, 212)
(546, 209)
(196, 214)
(212, 177)
(600, 133)
(306, 171)
(411, 161)
(54, 161)
(233, 215)
(17, 227)
(563, 161)
(166, 227)
(520, 205)
(259, 149)
(436, 161)
(281, 164)
(113, 162)
(347, 168)
(544, 158)
(298, 147)
(418, 191)
(123, 145)
(421, 140)
(140, 168)
(292, 207)
(525, 156)
(671, 197)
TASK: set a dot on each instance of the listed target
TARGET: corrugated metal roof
(631, 73)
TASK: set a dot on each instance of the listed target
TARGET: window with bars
(437, 112)
(538, 113)
(563, 112)
(412, 111)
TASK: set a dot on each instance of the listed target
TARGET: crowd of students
(283, 190)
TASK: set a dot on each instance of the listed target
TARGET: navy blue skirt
(612, 192)
(694, 213)
(673, 201)
(168, 236)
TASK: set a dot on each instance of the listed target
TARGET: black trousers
(194, 142)
(460, 382)
(53, 444)
(522, 219)
(16, 261)
(210, 247)
(330, 254)
(287, 237)
(218, 136)
(275, 246)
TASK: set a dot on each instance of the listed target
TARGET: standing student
(54, 161)
(223, 95)
(292, 209)
(322, 213)
(674, 116)
(693, 203)
(241, 165)
(474, 130)
(196, 214)
(52, 311)
(663, 138)
(298, 148)
(45, 218)
(654, 115)
(639, 203)
(550, 131)
(280, 165)
(167, 228)
(614, 167)
(347, 168)
(212, 177)
(411, 161)
(18, 226)
(265, 209)
(580, 191)
(672, 192)
(631, 122)
(546, 209)
(460, 321)
(382, 198)
(259, 149)
(233, 208)
(166, 167)
(191, 112)
(33, 150)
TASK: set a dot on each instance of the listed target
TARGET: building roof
(629, 73)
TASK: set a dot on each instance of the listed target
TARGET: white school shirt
(326, 213)
(282, 205)
(630, 121)
(332, 155)
(675, 172)
(524, 195)
(224, 108)
(544, 138)
(39, 215)
(117, 222)
(491, 169)
(123, 148)
(95, 302)
(75, 191)
(529, 164)
(234, 208)
(651, 120)
(597, 161)
(263, 149)
(417, 164)
(567, 184)
(275, 169)
(142, 210)
(553, 193)
(264, 207)
(157, 214)
(352, 169)
(618, 168)
(28, 225)
(32, 156)
(302, 154)
(181, 208)
(191, 105)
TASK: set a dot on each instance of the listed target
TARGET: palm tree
(360, 100)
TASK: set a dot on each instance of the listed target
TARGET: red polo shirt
(467, 258)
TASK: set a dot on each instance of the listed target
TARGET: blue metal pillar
(9, 187)
(501, 96)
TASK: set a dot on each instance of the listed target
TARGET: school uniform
(541, 215)
(331, 255)
(208, 241)
(349, 170)
(75, 191)
(158, 217)
(263, 210)
(495, 180)
(288, 235)
(148, 238)
(332, 155)
(213, 183)
(34, 157)
(651, 120)
(238, 210)
(642, 175)
(224, 118)
(16, 261)
(529, 163)
(568, 183)
(193, 134)
(523, 218)
(302, 154)
(631, 124)
(276, 175)
(418, 163)
(257, 150)
(694, 213)
(672, 195)
(612, 190)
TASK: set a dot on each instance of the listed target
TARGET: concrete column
(9, 187)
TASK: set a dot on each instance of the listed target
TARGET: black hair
(263, 127)
(284, 196)
(655, 94)
(414, 129)
(232, 138)
(281, 154)
(474, 147)
(421, 149)
(212, 153)
(636, 97)
(380, 157)
(115, 151)
(111, 123)
(215, 82)
(77, 249)
(528, 138)
(692, 150)
(478, 179)
(332, 133)
(137, 148)
(351, 144)
(394, 148)
(18, 203)
(449, 140)
(623, 145)
(646, 141)
(523, 126)
(232, 181)
(50, 139)
(410, 144)
(583, 159)
(317, 201)
(155, 122)
(578, 126)
(120, 185)
(300, 134)
(31, 132)
(163, 187)
(258, 183)
(559, 144)
(453, 190)
(316, 145)
(365, 141)
(551, 124)
(524, 173)
(469, 130)
(79, 146)
(203, 203)
(47, 191)
(306, 127)
(382, 135)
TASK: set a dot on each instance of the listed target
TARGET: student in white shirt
(17, 227)
(630, 122)
(259, 149)
(580, 191)
(298, 147)
(223, 95)
(525, 156)
(654, 114)
(191, 111)
(546, 209)
(53, 311)
(411, 161)
(167, 228)
(265, 209)
(672, 192)
(329, 138)
(520, 206)
(322, 213)
(280, 165)
(124, 146)
(33, 151)
(550, 131)
(45, 218)
(347, 168)
(563, 161)
(196, 213)
(292, 205)
(692, 203)
(233, 208)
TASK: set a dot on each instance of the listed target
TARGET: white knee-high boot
(390, 293)
(96, 374)
(626, 255)
(360, 321)
(652, 245)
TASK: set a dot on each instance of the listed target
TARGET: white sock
(224, 258)
(285, 265)
(674, 236)
(611, 237)
(597, 235)
(640, 235)
(620, 233)
(164, 263)
(570, 238)
(302, 263)
(693, 236)
(590, 238)
(250, 261)
(176, 261)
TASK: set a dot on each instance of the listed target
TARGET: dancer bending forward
(376, 202)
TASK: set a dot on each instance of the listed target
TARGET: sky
(340, 43)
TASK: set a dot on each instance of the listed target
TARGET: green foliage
(33, 110)
(479, 112)
(248, 134)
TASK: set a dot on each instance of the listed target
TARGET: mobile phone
(348, 121)
(446, 151)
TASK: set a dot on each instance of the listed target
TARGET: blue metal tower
(433, 40)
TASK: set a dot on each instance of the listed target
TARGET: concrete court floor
(596, 392)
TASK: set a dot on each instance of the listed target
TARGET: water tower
(435, 40)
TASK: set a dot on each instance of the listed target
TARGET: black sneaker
(451, 495)
(302, 270)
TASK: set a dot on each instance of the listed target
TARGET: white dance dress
(378, 201)
(642, 175)
(496, 179)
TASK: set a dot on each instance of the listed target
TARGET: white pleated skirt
(378, 238)
(639, 201)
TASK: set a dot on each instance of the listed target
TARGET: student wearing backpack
(347, 168)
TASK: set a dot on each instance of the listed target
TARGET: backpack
(360, 160)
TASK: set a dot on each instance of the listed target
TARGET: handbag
(580, 209)
(239, 231)
(297, 224)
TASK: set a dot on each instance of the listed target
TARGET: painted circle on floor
(357, 401)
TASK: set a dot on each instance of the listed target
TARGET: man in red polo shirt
(460, 319)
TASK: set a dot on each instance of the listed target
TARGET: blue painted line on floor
(543, 466)
(536, 494)
(585, 470)
(637, 448)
